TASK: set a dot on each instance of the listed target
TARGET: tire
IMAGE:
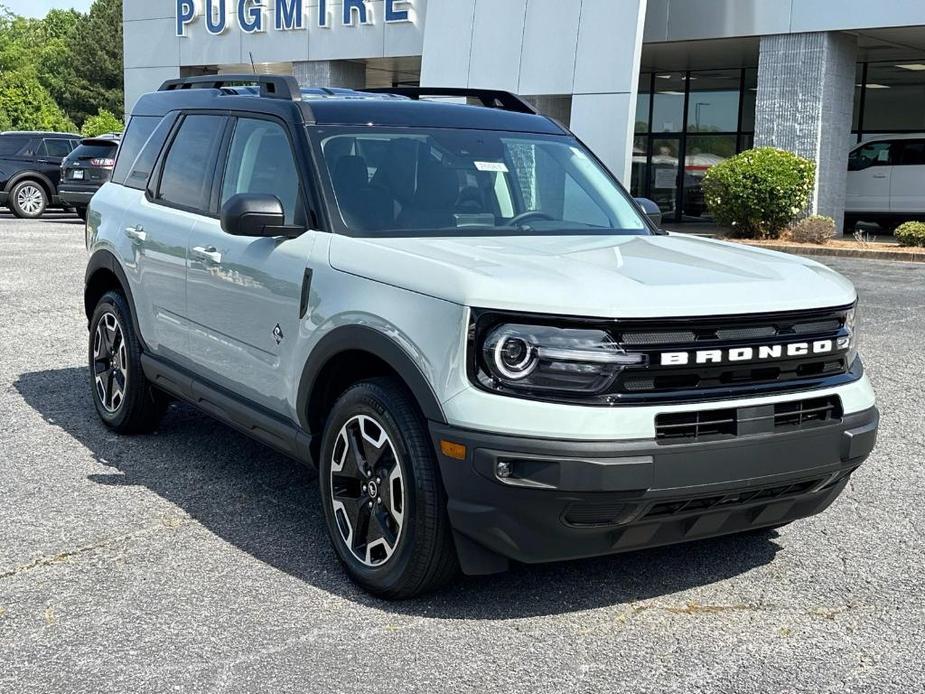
(851, 223)
(82, 213)
(124, 399)
(28, 200)
(407, 548)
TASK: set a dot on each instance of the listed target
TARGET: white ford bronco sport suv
(456, 313)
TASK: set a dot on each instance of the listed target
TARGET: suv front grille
(715, 425)
(725, 377)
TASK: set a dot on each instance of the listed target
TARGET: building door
(664, 173)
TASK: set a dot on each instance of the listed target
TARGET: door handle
(136, 233)
(209, 253)
(879, 175)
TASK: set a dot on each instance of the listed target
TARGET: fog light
(505, 470)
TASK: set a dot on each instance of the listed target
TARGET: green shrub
(102, 123)
(911, 234)
(812, 229)
(757, 193)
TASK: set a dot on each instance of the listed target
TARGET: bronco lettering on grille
(747, 354)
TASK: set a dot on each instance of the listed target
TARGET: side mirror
(254, 214)
(651, 210)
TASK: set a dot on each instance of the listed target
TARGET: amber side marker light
(456, 451)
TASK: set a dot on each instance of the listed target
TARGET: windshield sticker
(493, 166)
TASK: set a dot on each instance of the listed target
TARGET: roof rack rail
(271, 86)
(490, 98)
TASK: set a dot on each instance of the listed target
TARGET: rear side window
(13, 146)
(912, 153)
(57, 148)
(189, 168)
(136, 136)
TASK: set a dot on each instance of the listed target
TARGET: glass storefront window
(703, 153)
(895, 98)
(749, 100)
(638, 177)
(714, 101)
(668, 108)
(643, 102)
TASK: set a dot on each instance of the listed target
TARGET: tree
(86, 75)
(102, 123)
(26, 105)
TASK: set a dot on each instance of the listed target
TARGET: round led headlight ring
(514, 357)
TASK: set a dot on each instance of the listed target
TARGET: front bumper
(571, 499)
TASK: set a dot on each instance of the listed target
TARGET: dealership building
(660, 90)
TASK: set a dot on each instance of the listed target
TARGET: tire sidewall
(14, 202)
(368, 400)
(114, 303)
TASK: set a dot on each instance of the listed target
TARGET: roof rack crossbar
(271, 86)
(490, 98)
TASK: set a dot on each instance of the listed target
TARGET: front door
(244, 294)
(870, 170)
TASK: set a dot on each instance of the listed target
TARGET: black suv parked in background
(86, 169)
(30, 170)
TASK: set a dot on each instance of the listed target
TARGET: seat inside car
(364, 207)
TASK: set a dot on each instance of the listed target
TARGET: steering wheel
(524, 217)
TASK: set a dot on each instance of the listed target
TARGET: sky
(39, 8)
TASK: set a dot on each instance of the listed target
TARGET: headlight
(852, 325)
(546, 359)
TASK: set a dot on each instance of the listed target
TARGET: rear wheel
(124, 399)
(28, 200)
(383, 500)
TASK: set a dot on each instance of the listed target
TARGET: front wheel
(383, 499)
(125, 401)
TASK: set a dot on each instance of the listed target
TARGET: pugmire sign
(290, 15)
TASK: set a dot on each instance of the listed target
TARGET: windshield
(429, 182)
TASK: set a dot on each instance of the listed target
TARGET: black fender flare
(50, 187)
(365, 339)
(104, 260)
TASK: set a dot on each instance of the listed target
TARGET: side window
(13, 146)
(57, 149)
(186, 180)
(136, 135)
(912, 153)
(260, 160)
(873, 154)
(140, 171)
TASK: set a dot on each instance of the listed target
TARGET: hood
(597, 276)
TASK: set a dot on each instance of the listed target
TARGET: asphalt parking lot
(196, 560)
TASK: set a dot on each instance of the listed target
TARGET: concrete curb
(912, 256)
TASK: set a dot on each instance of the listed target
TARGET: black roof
(344, 107)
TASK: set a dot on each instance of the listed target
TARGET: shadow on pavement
(56, 216)
(268, 506)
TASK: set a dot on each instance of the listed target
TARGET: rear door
(907, 182)
(177, 197)
(870, 169)
(50, 157)
(245, 293)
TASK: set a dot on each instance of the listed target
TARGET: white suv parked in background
(886, 182)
